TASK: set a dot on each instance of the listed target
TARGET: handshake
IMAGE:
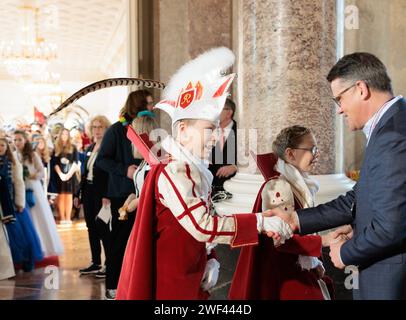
(287, 222)
(274, 227)
(341, 234)
(335, 240)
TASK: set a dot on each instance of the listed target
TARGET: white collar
(369, 127)
(302, 182)
(226, 130)
(178, 152)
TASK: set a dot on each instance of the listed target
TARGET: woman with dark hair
(116, 159)
(40, 211)
(137, 101)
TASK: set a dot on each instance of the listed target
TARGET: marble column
(186, 28)
(132, 39)
(286, 49)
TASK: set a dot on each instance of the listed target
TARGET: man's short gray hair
(362, 66)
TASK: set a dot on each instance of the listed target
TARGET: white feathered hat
(199, 89)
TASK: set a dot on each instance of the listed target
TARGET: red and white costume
(166, 255)
(286, 272)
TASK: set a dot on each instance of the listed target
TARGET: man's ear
(365, 91)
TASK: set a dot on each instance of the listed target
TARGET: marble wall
(186, 29)
(381, 29)
(286, 49)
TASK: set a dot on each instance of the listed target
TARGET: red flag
(39, 116)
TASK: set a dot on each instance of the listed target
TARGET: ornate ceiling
(84, 30)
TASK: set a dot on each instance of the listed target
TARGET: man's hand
(19, 209)
(327, 239)
(344, 232)
(335, 254)
(290, 217)
(130, 171)
(226, 171)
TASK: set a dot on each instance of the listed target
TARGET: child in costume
(293, 270)
(166, 256)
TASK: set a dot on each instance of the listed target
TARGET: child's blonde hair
(289, 137)
(143, 124)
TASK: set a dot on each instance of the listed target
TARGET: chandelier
(44, 83)
(29, 56)
(45, 91)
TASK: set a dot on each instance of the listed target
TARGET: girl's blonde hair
(144, 124)
(290, 137)
(44, 154)
(102, 119)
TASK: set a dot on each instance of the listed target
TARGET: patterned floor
(65, 283)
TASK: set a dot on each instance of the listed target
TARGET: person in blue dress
(24, 242)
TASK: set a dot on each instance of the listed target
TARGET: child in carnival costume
(169, 254)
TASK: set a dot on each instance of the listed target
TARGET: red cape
(266, 272)
(136, 278)
(162, 260)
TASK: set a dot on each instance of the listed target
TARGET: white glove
(210, 247)
(260, 222)
(276, 224)
(308, 263)
(211, 274)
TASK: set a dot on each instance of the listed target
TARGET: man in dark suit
(376, 207)
(224, 154)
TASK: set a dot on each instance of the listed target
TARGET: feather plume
(216, 60)
(108, 83)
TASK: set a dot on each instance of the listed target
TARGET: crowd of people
(27, 220)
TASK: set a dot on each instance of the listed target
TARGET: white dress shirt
(371, 124)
